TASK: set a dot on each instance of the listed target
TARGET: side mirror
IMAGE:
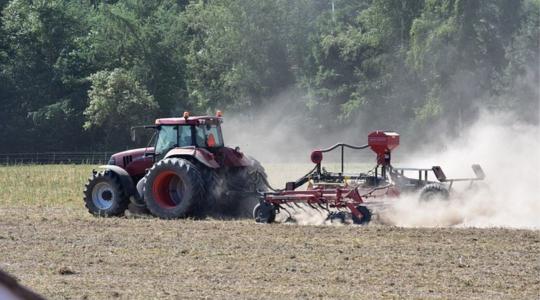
(133, 135)
(133, 131)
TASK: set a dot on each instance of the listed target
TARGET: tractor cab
(199, 132)
(199, 137)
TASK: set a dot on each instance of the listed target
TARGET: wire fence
(96, 158)
(93, 158)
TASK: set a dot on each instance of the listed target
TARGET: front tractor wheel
(174, 188)
(104, 195)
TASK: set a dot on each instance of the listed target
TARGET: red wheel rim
(168, 189)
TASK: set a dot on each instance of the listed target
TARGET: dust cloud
(509, 153)
(509, 197)
(507, 149)
(280, 131)
(271, 134)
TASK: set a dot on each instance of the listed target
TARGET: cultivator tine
(289, 213)
(285, 209)
(324, 208)
(289, 206)
(316, 208)
(299, 206)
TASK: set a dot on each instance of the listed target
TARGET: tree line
(75, 75)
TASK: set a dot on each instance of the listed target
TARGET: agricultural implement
(341, 193)
(186, 171)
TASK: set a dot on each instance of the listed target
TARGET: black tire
(104, 195)
(434, 191)
(214, 190)
(174, 189)
(366, 216)
(264, 213)
(255, 185)
(240, 190)
(336, 215)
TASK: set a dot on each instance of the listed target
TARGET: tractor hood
(133, 161)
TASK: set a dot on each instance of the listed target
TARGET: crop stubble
(52, 245)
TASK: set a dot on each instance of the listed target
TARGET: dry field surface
(50, 243)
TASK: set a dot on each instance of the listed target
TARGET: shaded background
(75, 75)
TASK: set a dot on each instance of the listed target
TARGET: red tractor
(185, 172)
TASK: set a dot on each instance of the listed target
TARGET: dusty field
(51, 244)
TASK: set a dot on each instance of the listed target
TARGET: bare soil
(51, 244)
(62, 253)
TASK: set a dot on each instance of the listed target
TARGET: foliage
(118, 101)
(376, 63)
(238, 52)
(39, 101)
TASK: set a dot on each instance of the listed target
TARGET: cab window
(173, 136)
(184, 136)
(167, 139)
(208, 136)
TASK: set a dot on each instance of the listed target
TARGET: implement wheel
(104, 195)
(366, 216)
(434, 191)
(264, 213)
(173, 188)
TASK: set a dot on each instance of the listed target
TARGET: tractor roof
(189, 120)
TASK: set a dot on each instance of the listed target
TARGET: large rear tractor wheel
(242, 191)
(104, 195)
(255, 184)
(174, 189)
(434, 191)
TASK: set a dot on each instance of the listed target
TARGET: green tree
(358, 62)
(146, 37)
(377, 63)
(42, 104)
(458, 49)
(519, 91)
(117, 102)
(238, 55)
